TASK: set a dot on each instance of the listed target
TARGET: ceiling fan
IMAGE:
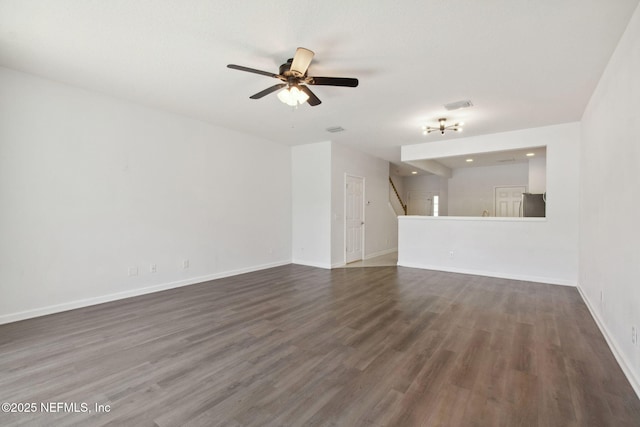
(295, 80)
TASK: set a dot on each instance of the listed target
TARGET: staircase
(395, 200)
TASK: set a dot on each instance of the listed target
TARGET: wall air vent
(335, 129)
(458, 105)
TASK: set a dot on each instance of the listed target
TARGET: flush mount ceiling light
(531, 154)
(442, 127)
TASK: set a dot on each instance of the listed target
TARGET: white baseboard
(523, 277)
(380, 253)
(372, 255)
(628, 372)
(71, 305)
(312, 264)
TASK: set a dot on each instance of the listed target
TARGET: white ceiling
(523, 63)
(494, 158)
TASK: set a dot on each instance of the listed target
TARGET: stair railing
(395, 190)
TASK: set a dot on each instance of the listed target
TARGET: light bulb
(292, 96)
(300, 96)
(284, 95)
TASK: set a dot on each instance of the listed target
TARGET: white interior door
(354, 218)
(420, 203)
(507, 200)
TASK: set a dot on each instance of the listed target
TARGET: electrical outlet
(451, 253)
(634, 335)
(133, 271)
(185, 264)
(153, 268)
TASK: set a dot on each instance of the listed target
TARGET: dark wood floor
(302, 346)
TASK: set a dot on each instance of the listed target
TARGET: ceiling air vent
(335, 129)
(458, 105)
(507, 160)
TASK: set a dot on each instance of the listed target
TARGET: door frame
(344, 214)
(495, 199)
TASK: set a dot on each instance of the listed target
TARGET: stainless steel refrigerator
(533, 205)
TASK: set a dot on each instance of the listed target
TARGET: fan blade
(268, 91)
(313, 99)
(333, 81)
(251, 70)
(301, 61)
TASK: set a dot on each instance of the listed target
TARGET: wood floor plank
(295, 345)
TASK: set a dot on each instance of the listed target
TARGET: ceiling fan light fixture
(292, 96)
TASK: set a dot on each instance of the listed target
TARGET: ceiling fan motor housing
(284, 68)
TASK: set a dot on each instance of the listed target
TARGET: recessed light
(469, 160)
(414, 173)
(531, 154)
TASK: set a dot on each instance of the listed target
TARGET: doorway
(354, 218)
(507, 200)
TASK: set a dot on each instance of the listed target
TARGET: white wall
(311, 204)
(544, 250)
(381, 226)
(428, 184)
(471, 190)
(538, 175)
(610, 201)
(91, 186)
